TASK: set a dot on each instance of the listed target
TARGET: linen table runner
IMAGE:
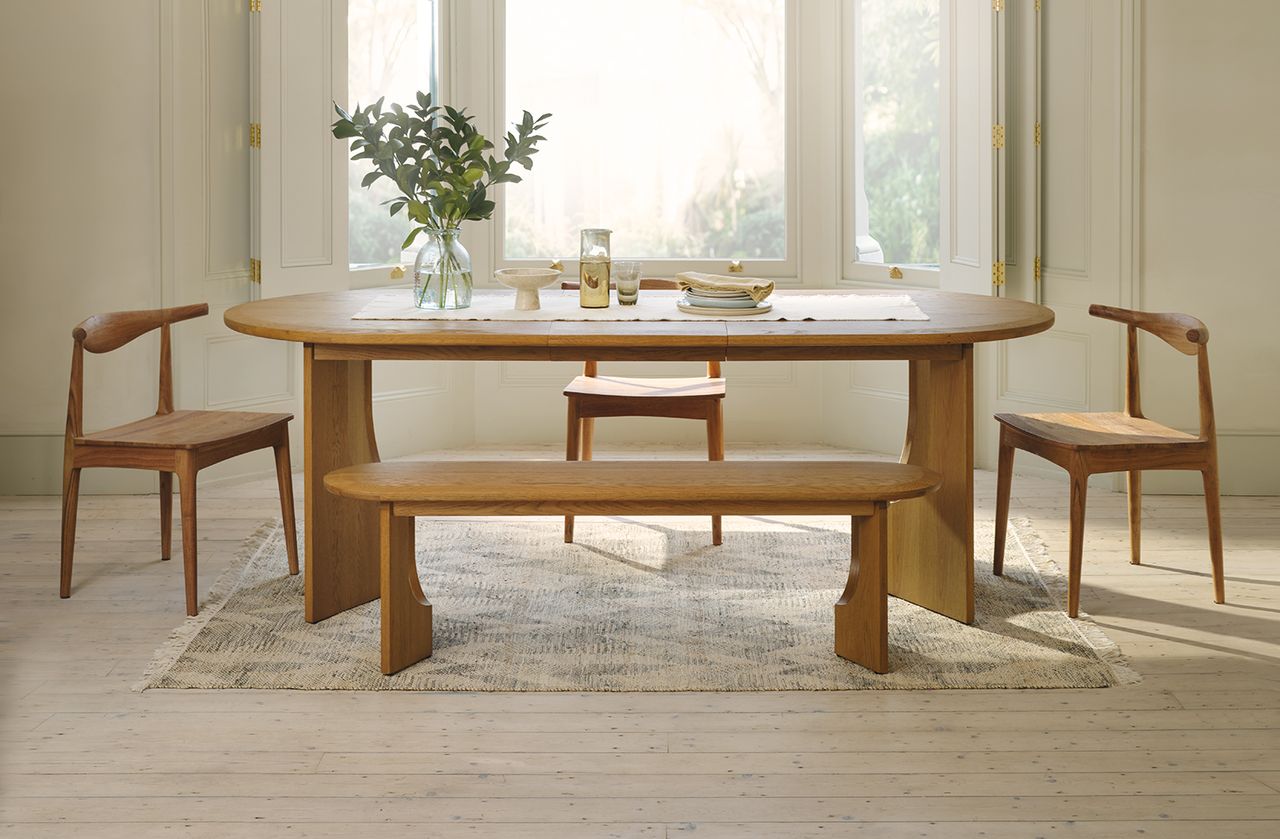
(493, 304)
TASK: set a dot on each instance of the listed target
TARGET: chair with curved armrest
(169, 442)
(1090, 443)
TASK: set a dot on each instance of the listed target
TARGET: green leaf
(413, 234)
(437, 158)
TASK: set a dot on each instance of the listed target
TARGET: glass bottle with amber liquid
(593, 269)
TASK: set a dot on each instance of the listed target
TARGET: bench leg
(406, 614)
(862, 613)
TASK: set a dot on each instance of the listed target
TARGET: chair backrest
(1184, 333)
(111, 331)
(592, 368)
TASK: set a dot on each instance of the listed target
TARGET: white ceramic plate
(758, 309)
(719, 302)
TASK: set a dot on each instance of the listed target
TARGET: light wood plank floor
(1194, 751)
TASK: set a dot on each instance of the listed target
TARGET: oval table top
(954, 318)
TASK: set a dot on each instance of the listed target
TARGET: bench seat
(859, 489)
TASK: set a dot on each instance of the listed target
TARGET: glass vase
(442, 272)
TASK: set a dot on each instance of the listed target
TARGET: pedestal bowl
(526, 282)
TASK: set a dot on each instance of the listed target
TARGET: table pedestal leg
(931, 538)
(341, 534)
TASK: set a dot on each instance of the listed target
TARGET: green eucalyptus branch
(441, 164)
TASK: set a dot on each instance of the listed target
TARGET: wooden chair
(169, 442)
(1088, 443)
(592, 395)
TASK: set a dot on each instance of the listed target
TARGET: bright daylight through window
(896, 122)
(670, 127)
(391, 53)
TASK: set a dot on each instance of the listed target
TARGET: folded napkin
(757, 289)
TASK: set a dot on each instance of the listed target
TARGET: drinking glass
(626, 275)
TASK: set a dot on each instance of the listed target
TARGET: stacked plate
(721, 303)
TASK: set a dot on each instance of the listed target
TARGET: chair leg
(715, 451)
(284, 477)
(1133, 483)
(1214, 512)
(572, 446)
(1079, 492)
(187, 492)
(70, 500)
(166, 515)
(1004, 484)
(588, 436)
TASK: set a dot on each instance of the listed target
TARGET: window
(390, 52)
(669, 127)
(896, 131)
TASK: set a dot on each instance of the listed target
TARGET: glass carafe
(594, 269)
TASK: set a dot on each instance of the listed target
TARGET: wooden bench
(861, 490)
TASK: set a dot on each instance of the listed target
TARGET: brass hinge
(997, 273)
(997, 136)
(997, 5)
(1037, 5)
(255, 271)
(1037, 138)
(255, 135)
(255, 6)
(1035, 271)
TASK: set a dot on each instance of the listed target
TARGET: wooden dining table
(930, 538)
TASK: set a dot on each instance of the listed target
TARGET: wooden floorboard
(1192, 751)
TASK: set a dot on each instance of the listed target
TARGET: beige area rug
(636, 605)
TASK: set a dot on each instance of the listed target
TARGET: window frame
(370, 275)
(785, 270)
(854, 272)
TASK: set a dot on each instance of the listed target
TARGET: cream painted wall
(97, 222)
(1210, 208)
(79, 218)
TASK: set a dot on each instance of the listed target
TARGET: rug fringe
(1055, 583)
(173, 648)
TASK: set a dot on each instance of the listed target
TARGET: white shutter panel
(967, 228)
(300, 217)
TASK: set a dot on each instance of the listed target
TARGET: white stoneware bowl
(526, 282)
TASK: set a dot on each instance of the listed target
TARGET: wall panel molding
(1080, 344)
(232, 352)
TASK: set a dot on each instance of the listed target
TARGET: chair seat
(1096, 430)
(699, 388)
(184, 429)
